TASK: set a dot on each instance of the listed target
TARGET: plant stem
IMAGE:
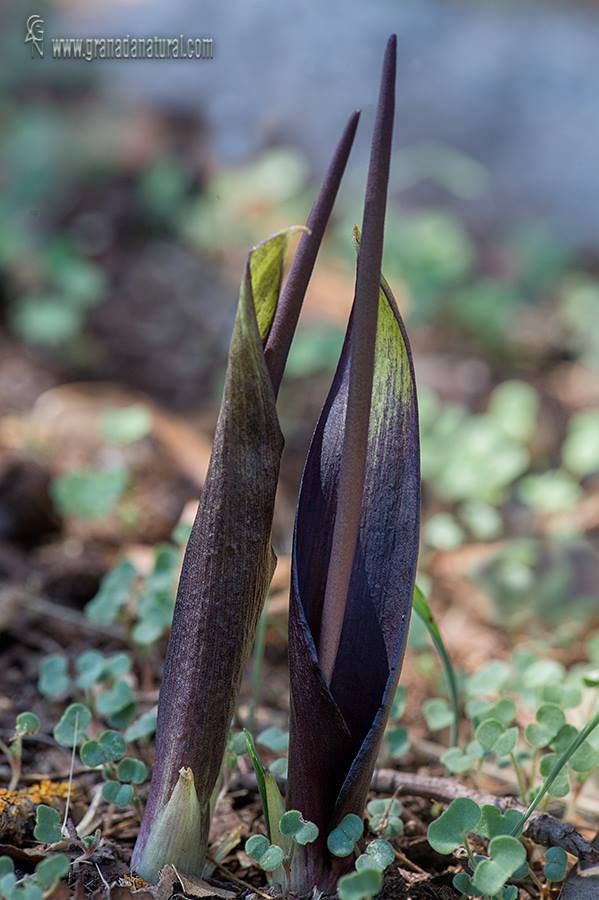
(570, 811)
(469, 852)
(422, 608)
(256, 678)
(520, 777)
(560, 762)
(71, 768)
(533, 768)
(14, 760)
(361, 371)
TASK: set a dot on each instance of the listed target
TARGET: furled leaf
(228, 563)
(339, 711)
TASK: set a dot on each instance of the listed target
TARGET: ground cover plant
(475, 776)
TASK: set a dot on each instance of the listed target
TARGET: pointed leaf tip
(296, 284)
(177, 833)
(351, 479)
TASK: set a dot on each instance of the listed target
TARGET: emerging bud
(179, 833)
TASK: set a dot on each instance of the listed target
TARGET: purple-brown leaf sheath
(351, 479)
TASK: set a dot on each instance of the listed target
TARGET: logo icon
(35, 34)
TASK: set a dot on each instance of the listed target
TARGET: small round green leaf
(437, 713)
(505, 744)
(488, 733)
(494, 823)
(274, 739)
(564, 738)
(503, 711)
(279, 767)
(113, 745)
(72, 725)
(91, 754)
(115, 699)
(126, 424)
(117, 793)
(385, 817)
(49, 871)
(399, 703)
(47, 824)
(489, 680)
(585, 759)
(256, 846)
(447, 832)
(132, 770)
(144, 727)
(268, 856)
(54, 681)
(27, 723)
(6, 866)
(89, 666)
(542, 673)
(550, 719)
(379, 853)
(292, 824)
(506, 854)
(564, 696)
(360, 885)
(456, 760)
(398, 740)
(561, 784)
(556, 864)
(272, 858)
(463, 883)
(342, 839)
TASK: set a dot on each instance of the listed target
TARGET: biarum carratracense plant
(355, 547)
(229, 561)
(354, 551)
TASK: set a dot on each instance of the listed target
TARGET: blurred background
(131, 192)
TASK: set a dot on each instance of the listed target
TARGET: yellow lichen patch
(42, 792)
(17, 808)
(47, 791)
(134, 882)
